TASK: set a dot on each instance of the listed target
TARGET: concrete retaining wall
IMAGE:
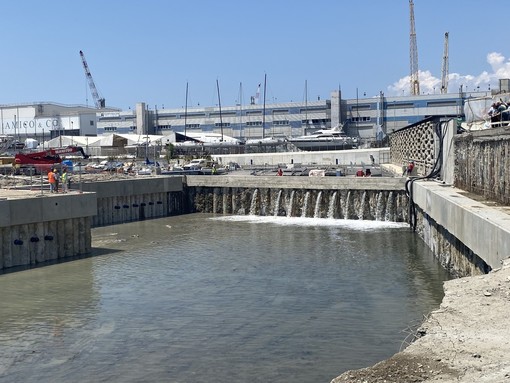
(122, 201)
(39, 229)
(483, 163)
(319, 197)
(30, 244)
(467, 236)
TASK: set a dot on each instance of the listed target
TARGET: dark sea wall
(482, 163)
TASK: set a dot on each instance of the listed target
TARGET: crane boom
(413, 54)
(98, 101)
(444, 69)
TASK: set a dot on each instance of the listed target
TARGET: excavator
(45, 160)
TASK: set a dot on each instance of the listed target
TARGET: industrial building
(369, 118)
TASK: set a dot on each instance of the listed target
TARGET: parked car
(197, 164)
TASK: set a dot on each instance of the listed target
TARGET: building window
(223, 114)
(110, 129)
(222, 125)
(164, 127)
(91, 122)
(281, 122)
(254, 123)
(394, 105)
(132, 128)
(313, 109)
(254, 113)
(192, 126)
(192, 115)
(361, 119)
(361, 107)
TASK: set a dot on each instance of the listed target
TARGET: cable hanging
(436, 171)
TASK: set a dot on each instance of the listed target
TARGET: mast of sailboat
(219, 104)
(264, 110)
(240, 110)
(306, 106)
(186, 110)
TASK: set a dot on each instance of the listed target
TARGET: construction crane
(98, 101)
(413, 54)
(444, 69)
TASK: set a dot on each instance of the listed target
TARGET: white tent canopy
(110, 140)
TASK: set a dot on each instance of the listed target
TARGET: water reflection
(200, 298)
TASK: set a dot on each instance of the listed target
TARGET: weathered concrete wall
(483, 163)
(30, 244)
(320, 197)
(467, 236)
(34, 209)
(37, 229)
(380, 205)
(122, 201)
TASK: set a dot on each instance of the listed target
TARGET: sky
(149, 51)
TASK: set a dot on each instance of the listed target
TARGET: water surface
(199, 298)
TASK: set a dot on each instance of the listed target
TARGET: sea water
(199, 298)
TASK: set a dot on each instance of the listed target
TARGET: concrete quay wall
(36, 229)
(467, 236)
(122, 201)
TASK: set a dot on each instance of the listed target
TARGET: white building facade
(43, 121)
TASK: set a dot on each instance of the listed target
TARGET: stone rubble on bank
(466, 340)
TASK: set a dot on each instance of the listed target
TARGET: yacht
(325, 139)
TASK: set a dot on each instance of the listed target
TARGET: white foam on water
(358, 225)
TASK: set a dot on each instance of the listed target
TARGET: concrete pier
(36, 228)
(135, 199)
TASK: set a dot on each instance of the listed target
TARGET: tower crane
(98, 101)
(444, 69)
(413, 54)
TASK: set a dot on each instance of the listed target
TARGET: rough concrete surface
(466, 340)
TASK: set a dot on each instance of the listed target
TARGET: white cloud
(484, 81)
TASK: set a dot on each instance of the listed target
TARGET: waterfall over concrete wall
(381, 205)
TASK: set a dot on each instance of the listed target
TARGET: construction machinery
(98, 101)
(413, 54)
(40, 162)
(444, 69)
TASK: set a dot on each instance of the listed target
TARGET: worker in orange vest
(52, 180)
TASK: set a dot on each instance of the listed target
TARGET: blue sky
(146, 51)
